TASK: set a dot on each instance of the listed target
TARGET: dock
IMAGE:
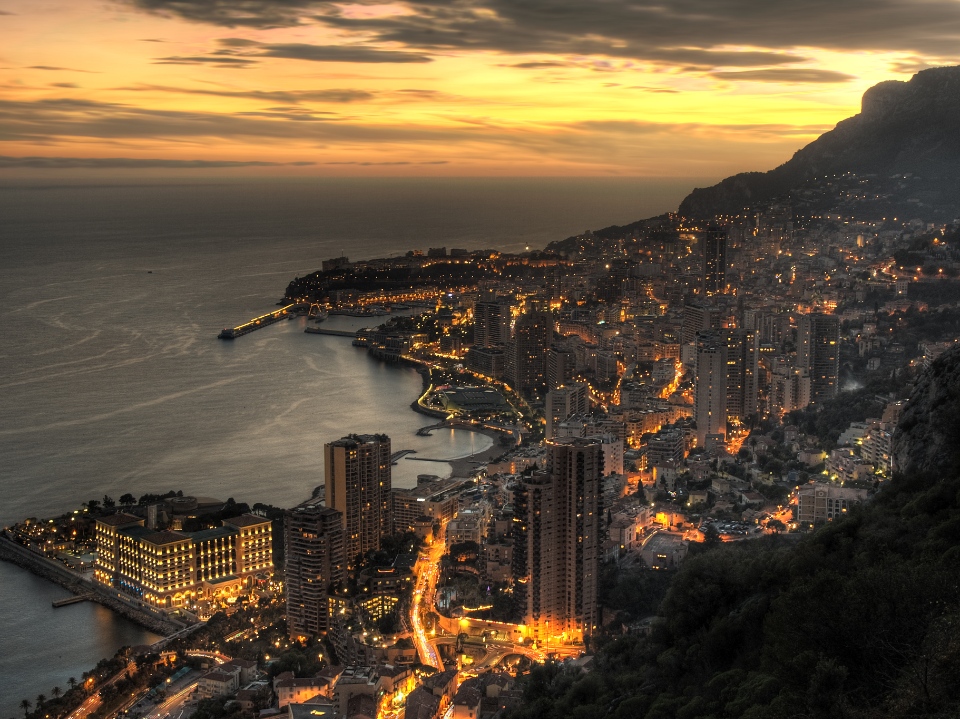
(256, 323)
(397, 456)
(72, 600)
(325, 331)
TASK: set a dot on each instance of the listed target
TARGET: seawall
(52, 571)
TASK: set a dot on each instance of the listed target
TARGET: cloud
(61, 163)
(785, 75)
(230, 63)
(336, 53)
(67, 85)
(241, 53)
(233, 13)
(398, 162)
(705, 34)
(336, 95)
(54, 68)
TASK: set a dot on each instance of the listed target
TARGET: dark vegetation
(860, 619)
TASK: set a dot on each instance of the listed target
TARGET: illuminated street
(428, 565)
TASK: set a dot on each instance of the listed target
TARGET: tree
(41, 700)
(108, 502)
(776, 525)
(72, 682)
(128, 499)
(92, 504)
(55, 692)
(25, 705)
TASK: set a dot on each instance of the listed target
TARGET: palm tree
(56, 692)
(72, 682)
(25, 705)
(41, 699)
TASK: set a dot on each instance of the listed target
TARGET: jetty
(397, 456)
(256, 323)
(325, 331)
(72, 600)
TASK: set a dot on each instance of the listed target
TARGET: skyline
(480, 87)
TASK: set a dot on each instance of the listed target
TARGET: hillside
(860, 619)
(903, 127)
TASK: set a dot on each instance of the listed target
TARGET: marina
(284, 313)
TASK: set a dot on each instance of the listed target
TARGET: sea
(112, 379)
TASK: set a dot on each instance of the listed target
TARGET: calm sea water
(112, 379)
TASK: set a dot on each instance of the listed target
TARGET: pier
(397, 456)
(325, 331)
(72, 600)
(256, 323)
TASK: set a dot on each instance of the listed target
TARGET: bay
(111, 376)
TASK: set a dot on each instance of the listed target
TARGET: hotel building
(173, 569)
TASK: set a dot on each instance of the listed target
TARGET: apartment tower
(358, 486)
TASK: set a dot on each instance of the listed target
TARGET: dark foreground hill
(860, 619)
(903, 127)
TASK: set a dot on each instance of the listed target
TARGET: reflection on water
(43, 646)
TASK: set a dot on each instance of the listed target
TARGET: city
(651, 391)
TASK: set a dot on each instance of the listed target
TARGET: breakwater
(54, 572)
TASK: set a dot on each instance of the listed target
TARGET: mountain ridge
(903, 127)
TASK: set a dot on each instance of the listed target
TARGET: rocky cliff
(927, 438)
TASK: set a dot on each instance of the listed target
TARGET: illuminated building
(491, 321)
(358, 481)
(315, 562)
(714, 260)
(564, 402)
(557, 543)
(173, 569)
(438, 500)
(526, 365)
(818, 350)
(725, 389)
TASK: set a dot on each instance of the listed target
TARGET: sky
(655, 88)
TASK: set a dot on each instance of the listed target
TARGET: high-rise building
(526, 365)
(315, 565)
(491, 321)
(818, 350)
(710, 387)
(358, 482)
(726, 388)
(558, 542)
(714, 260)
(564, 402)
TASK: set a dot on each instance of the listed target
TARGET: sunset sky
(680, 88)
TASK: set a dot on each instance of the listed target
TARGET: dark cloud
(232, 63)
(692, 33)
(336, 53)
(785, 75)
(54, 68)
(233, 13)
(62, 163)
(67, 85)
(337, 95)
(399, 162)
(241, 53)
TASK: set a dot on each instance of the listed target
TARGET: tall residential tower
(358, 482)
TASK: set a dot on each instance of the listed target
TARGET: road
(174, 706)
(93, 702)
(427, 569)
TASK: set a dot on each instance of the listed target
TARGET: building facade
(358, 483)
(818, 350)
(313, 539)
(557, 542)
(175, 569)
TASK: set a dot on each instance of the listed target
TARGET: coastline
(51, 571)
